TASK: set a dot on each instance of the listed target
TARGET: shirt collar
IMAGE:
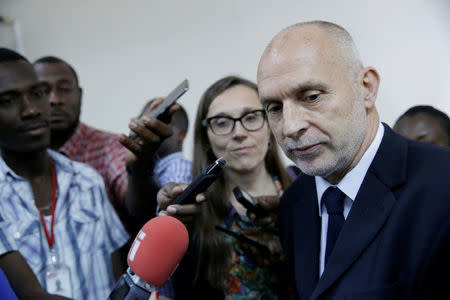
(352, 181)
(77, 135)
(60, 161)
(6, 170)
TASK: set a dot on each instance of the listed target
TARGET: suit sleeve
(286, 242)
(435, 280)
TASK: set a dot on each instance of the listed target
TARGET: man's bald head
(319, 100)
(335, 40)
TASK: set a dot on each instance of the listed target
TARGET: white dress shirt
(349, 185)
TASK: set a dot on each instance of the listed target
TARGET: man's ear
(80, 92)
(370, 83)
(181, 134)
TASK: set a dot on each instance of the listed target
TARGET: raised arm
(142, 188)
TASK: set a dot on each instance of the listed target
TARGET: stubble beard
(342, 155)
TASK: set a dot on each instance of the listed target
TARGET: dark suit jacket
(395, 242)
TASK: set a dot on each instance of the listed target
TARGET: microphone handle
(127, 289)
(199, 185)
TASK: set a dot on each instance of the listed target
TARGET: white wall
(129, 51)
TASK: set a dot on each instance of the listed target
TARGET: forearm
(140, 199)
(118, 263)
(22, 279)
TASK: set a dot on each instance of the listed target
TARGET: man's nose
(29, 109)
(295, 119)
(55, 98)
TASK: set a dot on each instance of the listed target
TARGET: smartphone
(244, 239)
(168, 101)
(249, 202)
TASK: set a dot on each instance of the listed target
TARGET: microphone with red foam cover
(155, 253)
(160, 244)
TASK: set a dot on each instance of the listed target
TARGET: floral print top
(246, 280)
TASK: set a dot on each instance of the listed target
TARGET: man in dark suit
(370, 219)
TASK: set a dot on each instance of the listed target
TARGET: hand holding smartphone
(249, 203)
(168, 101)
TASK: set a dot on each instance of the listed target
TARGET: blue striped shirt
(87, 229)
(173, 168)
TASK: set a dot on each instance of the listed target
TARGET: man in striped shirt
(54, 211)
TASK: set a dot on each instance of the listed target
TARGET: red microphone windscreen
(157, 249)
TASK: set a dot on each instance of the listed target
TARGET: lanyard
(51, 237)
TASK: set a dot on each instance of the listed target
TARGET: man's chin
(30, 147)
(56, 127)
(311, 169)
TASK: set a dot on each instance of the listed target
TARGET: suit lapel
(306, 237)
(370, 210)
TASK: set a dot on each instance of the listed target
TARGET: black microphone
(201, 182)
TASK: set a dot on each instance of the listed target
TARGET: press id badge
(58, 278)
(57, 274)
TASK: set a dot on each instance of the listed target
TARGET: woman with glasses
(231, 123)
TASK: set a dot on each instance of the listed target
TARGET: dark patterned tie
(333, 199)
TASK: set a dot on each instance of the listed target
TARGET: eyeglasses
(223, 125)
